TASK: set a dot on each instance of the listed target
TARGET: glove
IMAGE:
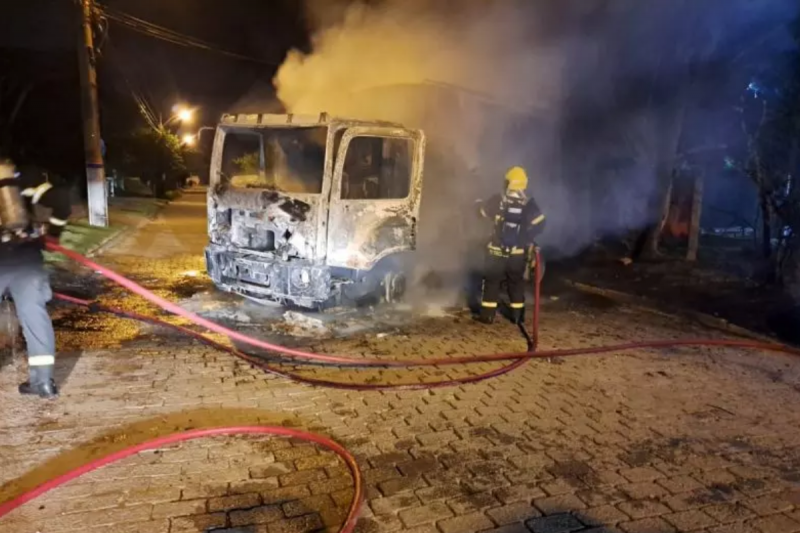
(532, 255)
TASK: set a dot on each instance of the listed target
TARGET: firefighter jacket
(517, 222)
(36, 190)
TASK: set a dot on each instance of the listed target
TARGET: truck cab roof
(297, 120)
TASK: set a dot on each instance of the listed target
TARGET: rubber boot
(487, 315)
(41, 383)
(517, 316)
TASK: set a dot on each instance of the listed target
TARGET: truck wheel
(394, 287)
(361, 293)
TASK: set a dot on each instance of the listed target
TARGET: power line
(141, 101)
(165, 34)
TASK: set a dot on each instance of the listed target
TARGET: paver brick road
(644, 442)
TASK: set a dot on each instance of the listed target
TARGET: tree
(154, 154)
(669, 57)
(692, 56)
(248, 164)
(653, 57)
(769, 115)
(697, 209)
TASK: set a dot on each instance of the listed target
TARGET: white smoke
(491, 82)
(466, 72)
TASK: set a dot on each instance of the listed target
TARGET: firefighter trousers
(499, 269)
(29, 286)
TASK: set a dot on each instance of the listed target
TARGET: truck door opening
(377, 168)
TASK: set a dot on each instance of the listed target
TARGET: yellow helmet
(516, 179)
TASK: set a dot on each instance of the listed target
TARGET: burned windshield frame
(289, 160)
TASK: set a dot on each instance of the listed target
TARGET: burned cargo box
(311, 210)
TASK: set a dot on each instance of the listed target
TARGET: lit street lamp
(185, 115)
(182, 113)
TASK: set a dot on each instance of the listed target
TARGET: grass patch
(82, 238)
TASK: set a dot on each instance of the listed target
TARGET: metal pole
(95, 171)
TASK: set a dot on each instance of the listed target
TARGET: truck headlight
(301, 277)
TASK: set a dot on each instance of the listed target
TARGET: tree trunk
(780, 260)
(766, 227)
(654, 234)
(782, 257)
(665, 167)
(697, 211)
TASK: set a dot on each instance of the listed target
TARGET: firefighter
(22, 269)
(517, 222)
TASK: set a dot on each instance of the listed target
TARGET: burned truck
(315, 210)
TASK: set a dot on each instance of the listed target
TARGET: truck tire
(394, 287)
(361, 293)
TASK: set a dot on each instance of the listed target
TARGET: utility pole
(95, 170)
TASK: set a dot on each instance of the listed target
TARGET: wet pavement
(644, 442)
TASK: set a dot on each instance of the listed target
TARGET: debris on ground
(214, 307)
(436, 312)
(301, 325)
(231, 315)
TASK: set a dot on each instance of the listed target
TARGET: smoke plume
(509, 82)
(465, 71)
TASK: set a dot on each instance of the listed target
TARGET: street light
(182, 113)
(185, 115)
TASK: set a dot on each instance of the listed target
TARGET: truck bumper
(295, 281)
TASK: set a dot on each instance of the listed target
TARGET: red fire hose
(338, 449)
(517, 359)
(263, 365)
(531, 337)
(366, 362)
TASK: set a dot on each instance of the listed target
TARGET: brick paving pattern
(646, 442)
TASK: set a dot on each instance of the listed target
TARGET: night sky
(41, 34)
(38, 38)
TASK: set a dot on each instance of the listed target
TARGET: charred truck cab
(313, 210)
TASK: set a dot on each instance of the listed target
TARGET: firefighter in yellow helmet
(517, 221)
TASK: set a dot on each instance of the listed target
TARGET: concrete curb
(650, 306)
(109, 241)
